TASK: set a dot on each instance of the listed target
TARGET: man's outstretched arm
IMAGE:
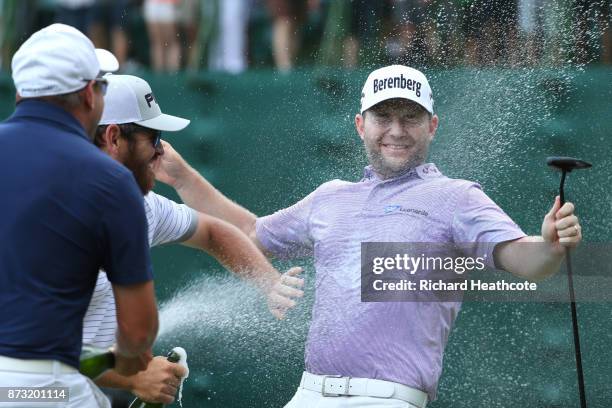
(233, 249)
(199, 194)
(538, 257)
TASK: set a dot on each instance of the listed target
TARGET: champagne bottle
(95, 361)
(173, 357)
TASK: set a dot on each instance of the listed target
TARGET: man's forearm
(530, 257)
(234, 250)
(199, 194)
(137, 318)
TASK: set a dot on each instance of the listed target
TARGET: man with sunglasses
(67, 211)
(130, 132)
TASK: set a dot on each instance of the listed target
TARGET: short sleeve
(172, 222)
(286, 233)
(126, 257)
(478, 220)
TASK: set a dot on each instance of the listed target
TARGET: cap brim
(165, 123)
(107, 61)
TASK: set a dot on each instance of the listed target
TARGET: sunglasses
(102, 84)
(155, 134)
(156, 140)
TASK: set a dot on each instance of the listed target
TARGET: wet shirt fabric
(67, 210)
(401, 342)
(168, 222)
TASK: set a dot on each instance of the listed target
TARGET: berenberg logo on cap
(397, 82)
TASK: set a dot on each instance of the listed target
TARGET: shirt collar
(49, 112)
(426, 170)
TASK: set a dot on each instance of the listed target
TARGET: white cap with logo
(56, 60)
(396, 81)
(129, 99)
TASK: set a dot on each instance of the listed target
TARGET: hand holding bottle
(159, 382)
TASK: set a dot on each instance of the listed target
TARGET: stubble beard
(390, 168)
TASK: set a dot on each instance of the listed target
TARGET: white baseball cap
(56, 60)
(396, 81)
(129, 99)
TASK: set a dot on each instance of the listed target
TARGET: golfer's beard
(388, 168)
(145, 178)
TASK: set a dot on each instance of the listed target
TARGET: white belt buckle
(346, 386)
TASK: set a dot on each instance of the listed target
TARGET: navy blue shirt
(66, 210)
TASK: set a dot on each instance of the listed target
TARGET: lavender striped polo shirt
(394, 341)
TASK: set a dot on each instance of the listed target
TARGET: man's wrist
(184, 178)
(268, 281)
(264, 279)
(555, 248)
(130, 382)
(113, 379)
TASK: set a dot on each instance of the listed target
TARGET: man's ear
(360, 125)
(433, 126)
(110, 141)
(89, 96)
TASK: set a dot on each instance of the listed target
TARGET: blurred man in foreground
(68, 210)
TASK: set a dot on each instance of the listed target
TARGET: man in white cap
(68, 210)
(130, 132)
(383, 354)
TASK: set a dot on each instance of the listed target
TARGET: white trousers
(83, 392)
(312, 399)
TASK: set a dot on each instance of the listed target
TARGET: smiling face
(396, 134)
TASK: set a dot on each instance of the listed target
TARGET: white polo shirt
(168, 222)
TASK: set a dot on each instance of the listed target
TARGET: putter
(566, 165)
